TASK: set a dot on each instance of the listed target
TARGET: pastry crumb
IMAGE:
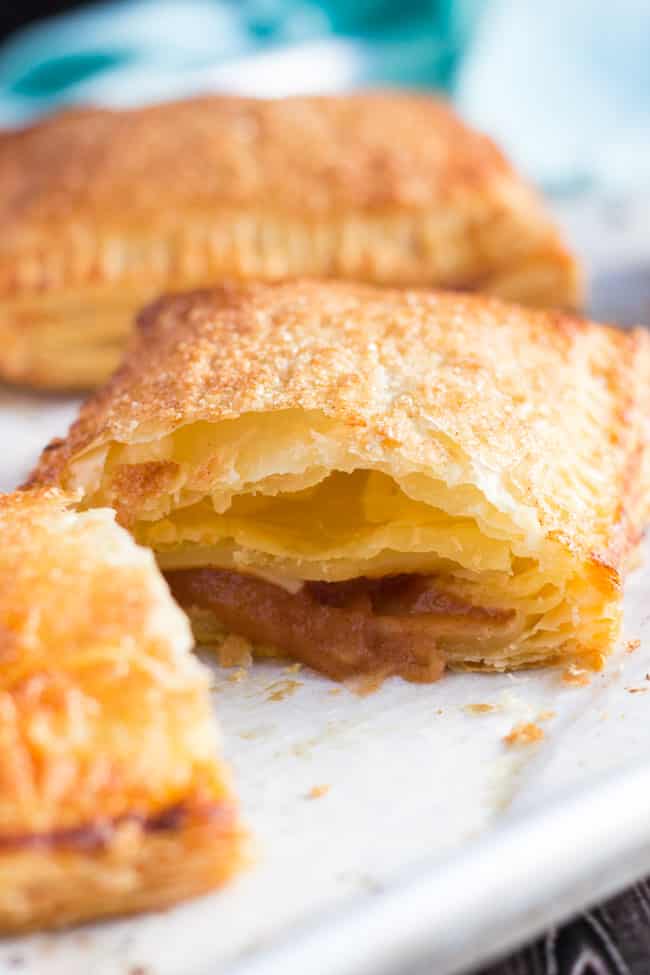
(524, 733)
(318, 791)
(479, 708)
(636, 690)
(368, 684)
(238, 675)
(577, 676)
(546, 715)
(292, 668)
(255, 733)
(282, 688)
(632, 645)
(235, 651)
(334, 691)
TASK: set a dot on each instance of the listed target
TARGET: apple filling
(394, 625)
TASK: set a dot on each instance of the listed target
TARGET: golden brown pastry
(103, 210)
(374, 480)
(112, 795)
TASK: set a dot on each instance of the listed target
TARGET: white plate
(435, 841)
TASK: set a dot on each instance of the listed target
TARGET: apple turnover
(104, 210)
(112, 796)
(377, 481)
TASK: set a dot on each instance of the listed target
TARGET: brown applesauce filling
(394, 625)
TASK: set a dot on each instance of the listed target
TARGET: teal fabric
(563, 86)
(92, 53)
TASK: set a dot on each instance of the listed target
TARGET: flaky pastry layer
(112, 795)
(103, 210)
(315, 431)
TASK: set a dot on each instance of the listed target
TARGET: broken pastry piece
(377, 481)
(103, 210)
(112, 795)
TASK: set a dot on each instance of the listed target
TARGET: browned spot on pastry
(134, 483)
(54, 444)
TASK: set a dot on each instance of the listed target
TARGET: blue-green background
(563, 84)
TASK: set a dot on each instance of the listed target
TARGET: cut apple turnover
(112, 795)
(377, 481)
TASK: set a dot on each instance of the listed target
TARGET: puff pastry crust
(313, 433)
(112, 795)
(103, 210)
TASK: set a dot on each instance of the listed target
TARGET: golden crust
(101, 210)
(554, 407)
(329, 431)
(235, 151)
(134, 870)
(112, 798)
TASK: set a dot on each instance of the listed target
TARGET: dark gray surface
(613, 939)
